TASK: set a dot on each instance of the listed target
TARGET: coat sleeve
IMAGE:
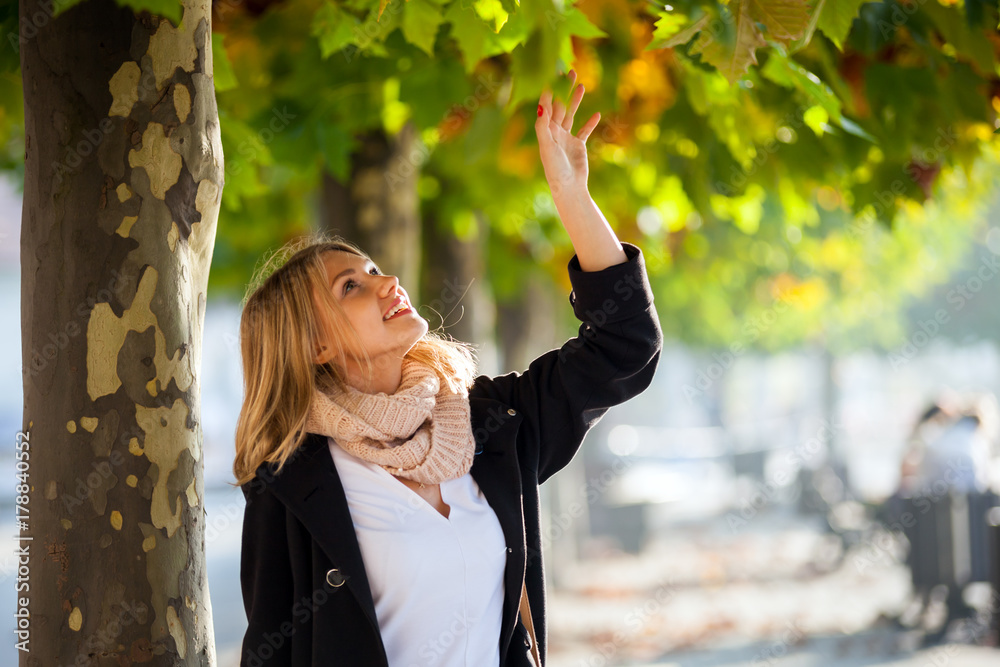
(266, 579)
(566, 391)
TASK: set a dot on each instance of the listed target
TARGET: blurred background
(812, 477)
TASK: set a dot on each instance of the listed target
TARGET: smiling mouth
(405, 309)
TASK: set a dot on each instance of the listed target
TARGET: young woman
(392, 515)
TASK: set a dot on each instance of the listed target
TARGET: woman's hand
(564, 156)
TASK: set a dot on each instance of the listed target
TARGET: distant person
(929, 427)
(944, 493)
(957, 460)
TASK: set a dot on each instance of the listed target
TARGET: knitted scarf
(421, 432)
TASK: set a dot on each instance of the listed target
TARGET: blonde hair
(279, 331)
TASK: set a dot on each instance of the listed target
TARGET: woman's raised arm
(565, 391)
(564, 159)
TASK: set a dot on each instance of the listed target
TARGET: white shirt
(437, 582)
(958, 458)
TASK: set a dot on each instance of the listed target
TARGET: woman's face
(366, 295)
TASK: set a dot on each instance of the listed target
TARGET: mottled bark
(123, 181)
(378, 208)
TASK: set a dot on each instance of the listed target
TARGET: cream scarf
(421, 432)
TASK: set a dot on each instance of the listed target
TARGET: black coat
(306, 594)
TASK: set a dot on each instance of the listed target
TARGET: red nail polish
(539, 109)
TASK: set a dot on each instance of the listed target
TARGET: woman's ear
(323, 355)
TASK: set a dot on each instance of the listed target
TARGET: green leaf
(222, 69)
(785, 72)
(569, 23)
(972, 44)
(733, 51)
(468, 32)
(60, 7)
(492, 12)
(855, 129)
(676, 38)
(532, 66)
(169, 9)
(514, 32)
(579, 25)
(668, 25)
(333, 27)
(421, 19)
(431, 88)
(836, 17)
(784, 20)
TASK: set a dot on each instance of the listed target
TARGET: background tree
(123, 175)
(805, 173)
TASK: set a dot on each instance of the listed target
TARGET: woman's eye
(348, 283)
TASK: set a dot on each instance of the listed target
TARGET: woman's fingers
(574, 104)
(546, 102)
(555, 112)
(545, 112)
(585, 131)
(558, 112)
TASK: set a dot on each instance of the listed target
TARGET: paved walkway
(860, 650)
(780, 593)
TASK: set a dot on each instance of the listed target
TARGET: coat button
(510, 550)
(335, 578)
(511, 411)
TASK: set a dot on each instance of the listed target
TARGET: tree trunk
(527, 325)
(123, 181)
(378, 208)
(455, 294)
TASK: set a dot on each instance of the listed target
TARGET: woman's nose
(389, 286)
